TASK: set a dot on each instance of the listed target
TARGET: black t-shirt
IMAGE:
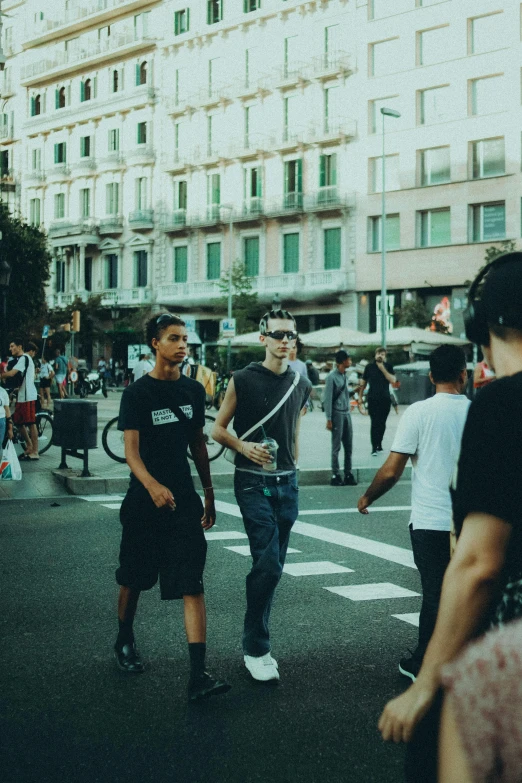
(379, 384)
(258, 391)
(146, 406)
(489, 475)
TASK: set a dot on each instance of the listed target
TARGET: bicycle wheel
(214, 448)
(363, 406)
(112, 441)
(44, 425)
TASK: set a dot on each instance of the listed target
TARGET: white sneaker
(263, 668)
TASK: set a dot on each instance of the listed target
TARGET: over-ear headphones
(475, 316)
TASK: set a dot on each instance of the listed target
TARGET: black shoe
(379, 448)
(128, 658)
(336, 481)
(205, 686)
(349, 480)
(410, 667)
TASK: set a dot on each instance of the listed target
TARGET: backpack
(15, 381)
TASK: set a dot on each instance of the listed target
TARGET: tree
(25, 248)
(246, 307)
(414, 313)
(506, 246)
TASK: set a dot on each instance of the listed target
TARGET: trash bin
(75, 424)
(415, 382)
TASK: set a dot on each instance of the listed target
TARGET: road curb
(117, 485)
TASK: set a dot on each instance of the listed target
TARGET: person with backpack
(22, 375)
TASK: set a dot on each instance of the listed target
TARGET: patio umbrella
(335, 336)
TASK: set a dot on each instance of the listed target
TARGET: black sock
(125, 632)
(197, 652)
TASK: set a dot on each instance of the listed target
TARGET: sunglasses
(280, 335)
(166, 318)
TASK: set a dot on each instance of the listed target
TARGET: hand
(209, 516)
(255, 452)
(329, 425)
(362, 504)
(401, 715)
(162, 496)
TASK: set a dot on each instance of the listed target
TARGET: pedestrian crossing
(373, 591)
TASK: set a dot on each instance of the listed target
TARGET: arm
(9, 422)
(388, 375)
(162, 496)
(468, 589)
(385, 478)
(328, 400)
(198, 449)
(252, 451)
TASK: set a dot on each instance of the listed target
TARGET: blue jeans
(3, 426)
(269, 508)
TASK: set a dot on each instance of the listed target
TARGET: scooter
(90, 383)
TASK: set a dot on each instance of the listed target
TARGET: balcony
(140, 155)
(57, 301)
(141, 219)
(175, 221)
(328, 199)
(7, 131)
(249, 87)
(89, 12)
(126, 296)
(289, 204)
(198, 293)
(111, 225)
(290, 139)
(35, 178)
(332, 131)
(330, 65)
(211, 217)
(58, 173)
(253, 209)
(84, 228)
(7, 181)
(113, 162)
(84, 166)
(302, 287)
(213, 95)
(61, 62)
(291, 75)
(179, 105)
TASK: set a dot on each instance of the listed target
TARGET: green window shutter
(33, 107)
(322, 171)
(82, 91)
(213, 260)
(56, 99)
(333, 169)
(332, 248)
(82, 146)
(95, 87)
(64, 152)
(299, 177)
(137, 74)
(259, 190)
(56, 153)
(187, 26)
(180, 264)
(251, 248)
(176, 22)
(291, 253)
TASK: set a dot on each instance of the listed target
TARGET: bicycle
(44, 426)
(113, 444)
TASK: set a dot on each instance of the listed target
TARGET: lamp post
(384, 306)
(230, 208)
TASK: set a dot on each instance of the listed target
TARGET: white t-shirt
(27, 391)
(431, 431)
(4, 400)
(141, 368)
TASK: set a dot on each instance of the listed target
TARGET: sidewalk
(112, 477)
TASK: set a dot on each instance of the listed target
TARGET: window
(141, 73)
(87, 273)
(114, 140)
(488, 222)
(332, 248)
(141, 193)
(60, 152)
(381, 8)
(60, 98)
(435, 166)
(375, 112)
(181, 21)
(213, 189)
(36, 160)
(331, 108)
(253, 189)
(60, 276)
(213, 260)
(290, 253)
(290, 54)
(392, 233)
(251, 5)
(4, 163)
(111, 270)
(142, 132)
(85, 202)
(332, 36)
(434, 105)
(485, 33)
(115, 84)
(251, 256)
(435, 227)
(384, 57)
(86, 90)
(214, 11)
(140, 268)
(485, 95)
(34, 211)
(85, 147)
(432, 46)
(112, 198)
(391, 173)
(488, 159)
(181, 264)
(293, 115)
(141, 25)
(180, 194)
(293, 183)
(36, 105)
(59, 206)
(328, 170)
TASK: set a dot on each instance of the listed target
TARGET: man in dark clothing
(265, 486)
(336, 405)
(379, 374)
(483, 582)
(162, 517)
(313, 375)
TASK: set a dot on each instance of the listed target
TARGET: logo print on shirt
(187, 410)
(165, 416)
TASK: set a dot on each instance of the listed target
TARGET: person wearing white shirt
(5, 417)
(25, 409)
(429, 433)
(142, 367)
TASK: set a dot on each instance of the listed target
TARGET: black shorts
(158, 542)
(45, 383)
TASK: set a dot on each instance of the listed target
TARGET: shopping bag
(9, 466)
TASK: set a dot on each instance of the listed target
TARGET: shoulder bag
(231, 454)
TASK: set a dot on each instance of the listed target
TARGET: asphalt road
(67, 713)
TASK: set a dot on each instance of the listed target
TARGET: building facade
(159, 140)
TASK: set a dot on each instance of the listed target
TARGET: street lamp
(230, 208)
(384, 307)
(5, 276)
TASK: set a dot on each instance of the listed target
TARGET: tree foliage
(506, 246)
(26, 250)
(414, 313)
(246, 307)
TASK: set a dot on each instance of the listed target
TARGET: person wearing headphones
(483, 582)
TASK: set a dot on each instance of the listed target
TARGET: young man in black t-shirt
(379, 374)
(162, 414)
(483, 582)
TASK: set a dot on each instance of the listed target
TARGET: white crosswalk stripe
(223, 535)
(371, 592)
(245, 550)
(316, 568)
(410, 617)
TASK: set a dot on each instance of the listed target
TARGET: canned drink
(271, 446)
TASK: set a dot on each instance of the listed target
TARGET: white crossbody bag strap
(274, 410)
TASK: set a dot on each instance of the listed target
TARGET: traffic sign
(228, 328)
(190, 322)
(73, 376)
(45, 332)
